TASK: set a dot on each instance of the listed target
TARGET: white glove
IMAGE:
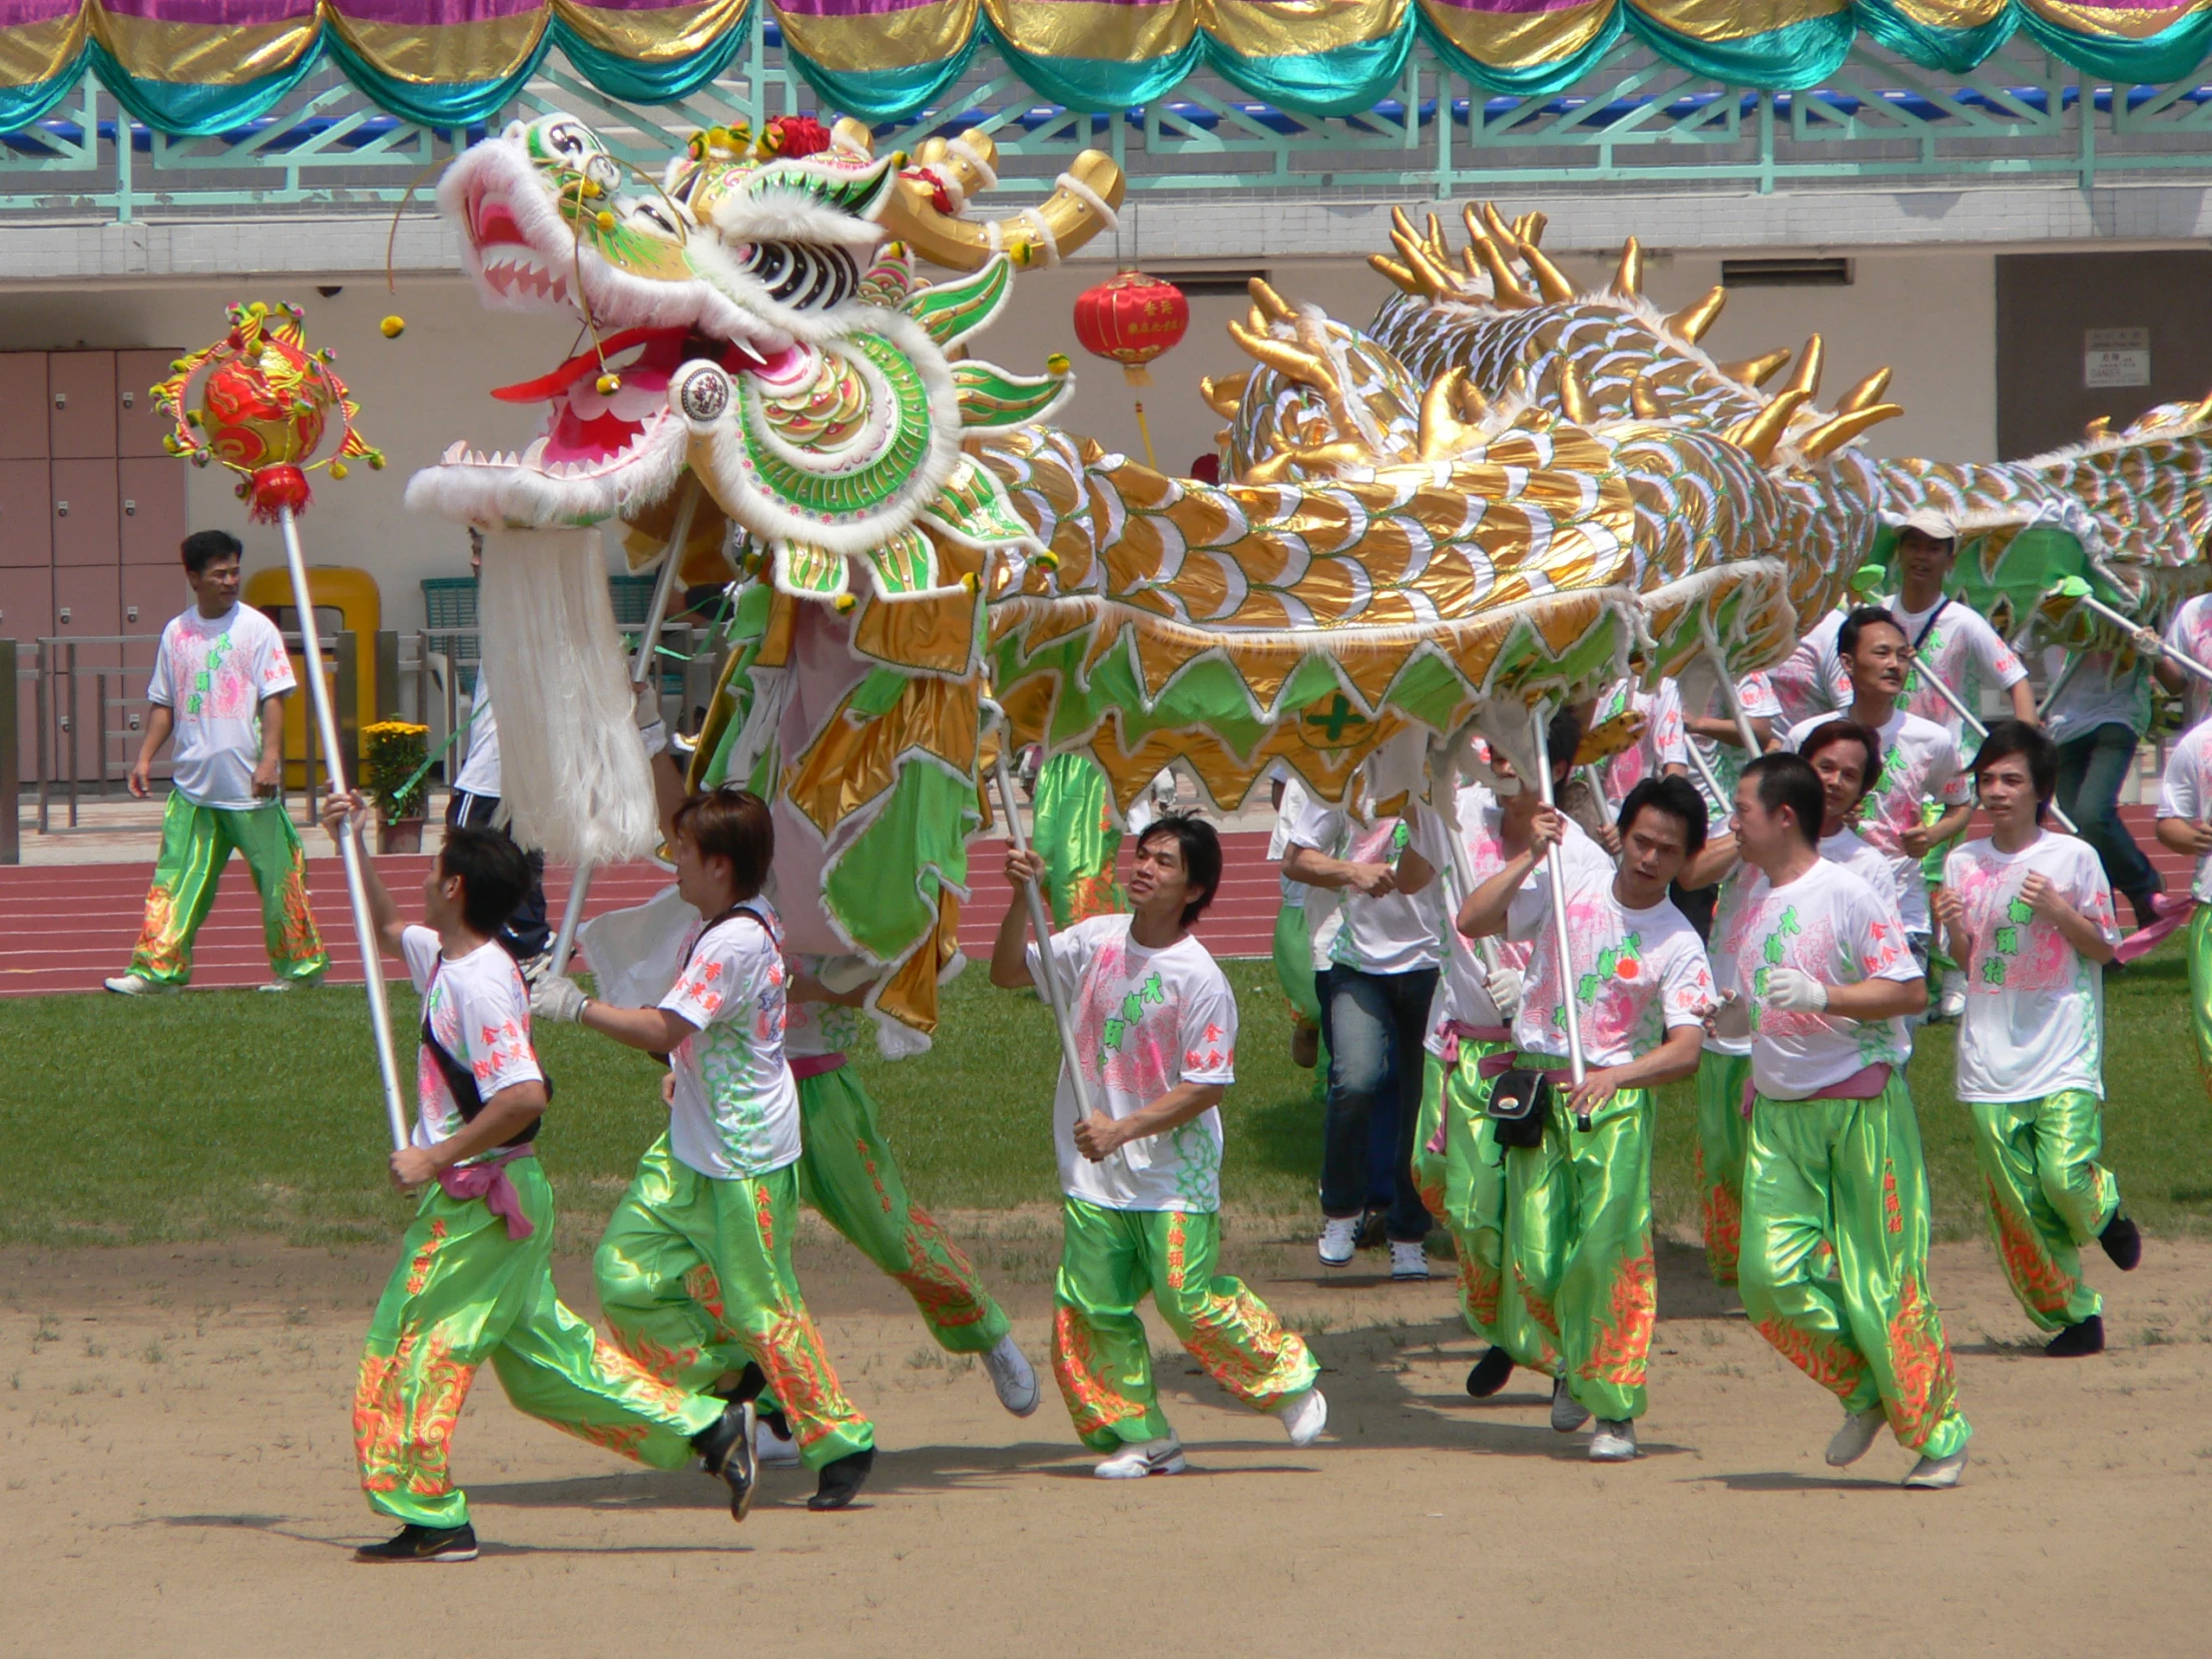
(1793, 992)
(558, 998)
(844, 974)
(654, 737)
(1505, 986)
(1729, 1018)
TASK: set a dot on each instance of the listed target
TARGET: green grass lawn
(226, 1113)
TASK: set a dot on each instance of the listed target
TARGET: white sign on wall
(2115, 358)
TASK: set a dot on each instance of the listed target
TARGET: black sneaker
(423, 1543)
(2077, 1341)
(2123, 1242)
(842, 1479)
(1373, 1231)
(725, 1445)
(1490, 1373)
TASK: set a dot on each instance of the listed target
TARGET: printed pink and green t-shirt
(1635, 975)
(1920, 765)
(211, 674)
(736, 1111)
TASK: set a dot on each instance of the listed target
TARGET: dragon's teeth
(454, 452)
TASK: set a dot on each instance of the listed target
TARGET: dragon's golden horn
(2097, 429)
(1756, 372)
(1550, 280)
(2199, 413)
(1505, 288)
(1436, 282)
(1808, 376)
(1641, 398)
(1223, 393)
(1574, 402)
(1256, 320)
(1529, 228)
(1473, 262)
(1759, 435)
(852, 135)
(1691, 321)
(1399, 276)
(1279, 354)
(1433, 240)
(1628, 282)
(1473, 407)
(1831, 435)
(1267, 299)
(1071, 217)
(1444, 433)
(1500, 233)
(1865, 395)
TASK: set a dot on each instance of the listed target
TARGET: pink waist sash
(1455, 1032)
(1867, 1083)
(488, 1181)
(813, 1065)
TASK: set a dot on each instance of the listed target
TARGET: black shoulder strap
(460, 1080)
(1928, 627)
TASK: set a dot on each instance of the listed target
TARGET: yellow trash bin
(345, 600)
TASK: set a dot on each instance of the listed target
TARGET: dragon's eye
(565, 139)
(603, 171)
(653, 217)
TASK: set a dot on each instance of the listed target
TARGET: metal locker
(151, 594)
(87, 515)
(87, 609)
(26, 516)
(80, 403)
(139, 425)
(26, 614)
(23, 406)
(152, 524)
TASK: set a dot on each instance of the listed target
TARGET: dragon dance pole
(2051, 694)
(1735, 707)
(1705, 770)
(2180, 658)
(1063, 1018)
(572, 912)
(349, 847)
(1958, 707)
(1556, 871)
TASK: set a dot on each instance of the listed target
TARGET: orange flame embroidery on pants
(405, 1406)
(1829, 1360)
(1622, 1343)
(1094, 1403)
(1926, 1385)
(1480, 1289)
(2037, 1279)
(940, 1275)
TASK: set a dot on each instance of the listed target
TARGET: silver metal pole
(572, 912)
(1735, 705)
(349, 847)
(2050, 696)
(1063, 1018)
(2180, 658)
(1705, 770)
(1974, 722)
(1556, 871)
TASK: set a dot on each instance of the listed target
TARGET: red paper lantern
(1131, 319)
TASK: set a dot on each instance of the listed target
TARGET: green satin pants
(2049, 1196)
(1109, 1260)
(2200, 989)
(1834, 1269)
(1579, 1255)
(695, 1277)
(1465, 1184)
(197, 841)
(1722, 1133)
(463, 1292)
(1294, 963)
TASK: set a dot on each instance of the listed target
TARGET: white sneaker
(1338, 1239)
(1408, 1260)
(771, 1447)
(1934, 1474)
(1567, 1412)
(280, 986)
(1953, 1004)
(136, 984)
(1012, 1376)
(1133, 1463)
(1304, 1415)
(1614, 1441)
(1857, 1435)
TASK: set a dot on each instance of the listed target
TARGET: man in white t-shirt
(220, 678)
(1812, 681)
(2185, 827)
(2029, 914)
(2099, 718)
(474, 1279)
(721, 1194)
(1377, 869)
(2190, 633)
(1578, 1235)
(1140, 1147)
(1834, 1264)
(1293, 940)
(1922, 768)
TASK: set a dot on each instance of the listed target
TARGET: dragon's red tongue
(546, 387)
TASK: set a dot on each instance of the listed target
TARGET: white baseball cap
(1931, 522)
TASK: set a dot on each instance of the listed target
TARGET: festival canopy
(193, 67)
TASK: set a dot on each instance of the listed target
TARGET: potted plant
(393, 775)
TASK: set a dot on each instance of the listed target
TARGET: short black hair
(1200, 847)
(1561, 739)
(2016, 737)
(731, 824)
(1833, 732)
(202, 547)
(1785, 779)
(1859, 619)
(493, 873)
(1675, 796)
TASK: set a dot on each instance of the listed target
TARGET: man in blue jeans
(1377, 962)
(2098, 716)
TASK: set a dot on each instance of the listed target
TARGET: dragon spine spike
(1505, 286)
(2097, 429)
(1399, 276)
(1808, 376)
(1756, 372)
(1551, 281)
(2200, 413)
(1224, 394)
(1473, 263)
(1529, 228)
(1434, 280)
(1641, 400)
(1690, 323)
(1866, 394)
(1628, 282)
(1501, 234)
(1831, 435)
(1267, 299)
(1574, 402)
(1433, 240)
(1442, 433)
(1277, 354)
(1759, 435)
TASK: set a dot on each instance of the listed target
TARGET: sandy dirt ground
(179, 1481)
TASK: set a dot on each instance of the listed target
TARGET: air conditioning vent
(1785, 273)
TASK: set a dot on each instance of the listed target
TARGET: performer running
(220, 678)
(1461, 1164)
(699, 1251)
(1578, 1207)
(1920, 763)
(2185, 827)
(1156, 1024)
(2190, 633)
(474, 1280)
(2030, 914)
(1844, 755)
(1834, 1269)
